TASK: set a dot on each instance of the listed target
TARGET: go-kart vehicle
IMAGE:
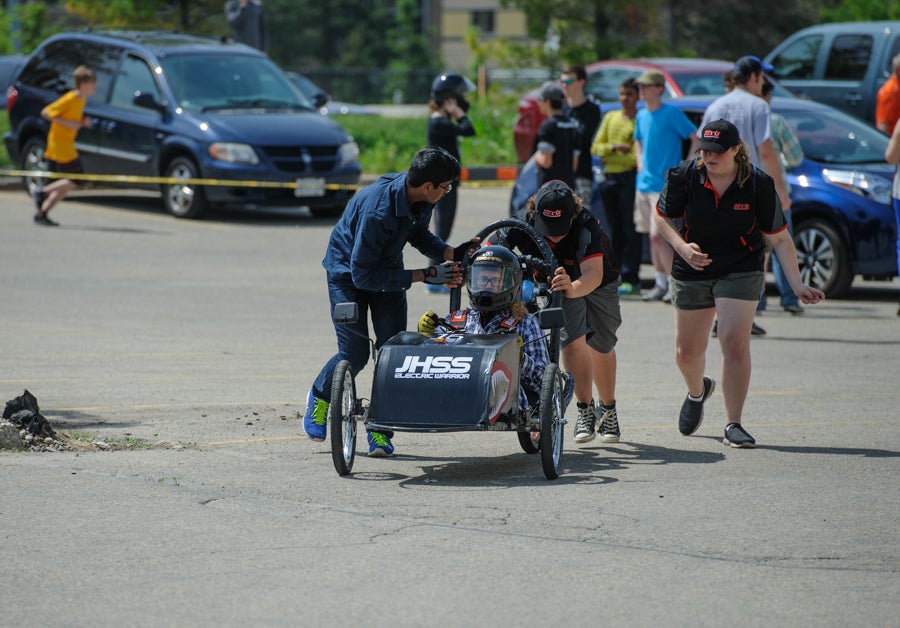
(457, 381)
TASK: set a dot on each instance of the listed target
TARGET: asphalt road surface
(190, 345)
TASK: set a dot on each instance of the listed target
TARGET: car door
(130, 135)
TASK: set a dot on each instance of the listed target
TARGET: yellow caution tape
(130, 178)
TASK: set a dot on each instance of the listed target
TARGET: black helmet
(501, 265)
(452, 85)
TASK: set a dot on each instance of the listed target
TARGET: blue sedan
(843, 218)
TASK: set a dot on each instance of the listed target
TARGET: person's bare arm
(772, 165)
(892, 153)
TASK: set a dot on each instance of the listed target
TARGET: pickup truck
(840, 64)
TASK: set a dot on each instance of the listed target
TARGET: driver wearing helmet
(494, 284)
(447, 123)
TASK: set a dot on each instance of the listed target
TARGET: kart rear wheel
(551, 421)
(530, 441)
(342, 418)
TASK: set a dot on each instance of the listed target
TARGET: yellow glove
(521, 350)
(427, 323)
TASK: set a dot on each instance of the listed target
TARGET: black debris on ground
(24, 413)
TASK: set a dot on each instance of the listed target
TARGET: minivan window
(798, 61)
(849, 57)
(213, 81)
(52, 67)
(135, 76)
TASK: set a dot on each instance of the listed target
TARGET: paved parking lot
(193, 343)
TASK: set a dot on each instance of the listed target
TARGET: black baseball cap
(745, 66)
(554, 206)
(718, 136)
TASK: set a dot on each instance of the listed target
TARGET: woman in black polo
(730, 210)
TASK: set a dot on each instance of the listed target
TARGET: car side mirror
(551, 318)
(320, 99)
(345, 313)
(147, 101)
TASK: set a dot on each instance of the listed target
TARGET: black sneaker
(715, 329)
(39, 196)
(756, 330)
(692, 411)
(42, 219)
(609, 424)
(585, 423)
(737, 436)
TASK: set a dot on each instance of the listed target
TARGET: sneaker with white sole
(691, 415)
(316, 417)
(656, 294)
(609, 424)
(379, 445)
(584, 424)
(736, 436)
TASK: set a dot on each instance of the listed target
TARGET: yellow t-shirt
(615, 129)
(61, 139)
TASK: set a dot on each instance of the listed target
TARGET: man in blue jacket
(364, 264)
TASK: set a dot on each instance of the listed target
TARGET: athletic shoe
(667, 297)
(692, 411)
(39, 196)
(715, 329)
(379, 445)
(794, 308)
(656, 294)
(42, 219)
(756, 330)
(609, 424)
(316, 417)
(433, 289)
(584, 424)
(736, 436)
(629, 289)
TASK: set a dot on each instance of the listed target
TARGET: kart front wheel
(551, 438)
(342, 418)
(530, 441)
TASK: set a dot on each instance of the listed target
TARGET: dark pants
(618, 202)
(445, 214)
(388, 310)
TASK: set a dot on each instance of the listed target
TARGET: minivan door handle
(108, 126)
(854, 98)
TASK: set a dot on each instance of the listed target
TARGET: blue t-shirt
(660, 133)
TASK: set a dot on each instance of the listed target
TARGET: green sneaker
(316, 416)
(629, 288)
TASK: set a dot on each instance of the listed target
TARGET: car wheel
(184, 200)
(822, 257)
(33, 159)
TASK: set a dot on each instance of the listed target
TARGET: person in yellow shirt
(66, 117)
(614, 144)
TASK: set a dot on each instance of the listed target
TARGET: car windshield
(228, 81)
(698, 84)
(832, 137)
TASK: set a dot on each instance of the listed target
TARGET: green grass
(4, 156)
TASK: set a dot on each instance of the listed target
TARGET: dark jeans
(445, 214)
(618, 202)
(388, 310)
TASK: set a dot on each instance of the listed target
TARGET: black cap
(554, 206)
(718, 136)
(745, 66)
(552, 91)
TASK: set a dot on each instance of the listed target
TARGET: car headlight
(348, 153)
(233, 153)
(871, 186)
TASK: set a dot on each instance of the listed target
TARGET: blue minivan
(187, 107)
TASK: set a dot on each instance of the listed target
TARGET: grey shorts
(596, 316)
(702, 294)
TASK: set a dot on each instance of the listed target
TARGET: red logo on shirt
(741, 207)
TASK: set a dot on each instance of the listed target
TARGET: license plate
(310, 187)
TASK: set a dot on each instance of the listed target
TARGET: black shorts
(67, 167)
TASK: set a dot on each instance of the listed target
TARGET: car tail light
(11, 95)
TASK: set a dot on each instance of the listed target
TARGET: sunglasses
(567, 81)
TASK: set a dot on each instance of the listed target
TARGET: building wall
(458, 15)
